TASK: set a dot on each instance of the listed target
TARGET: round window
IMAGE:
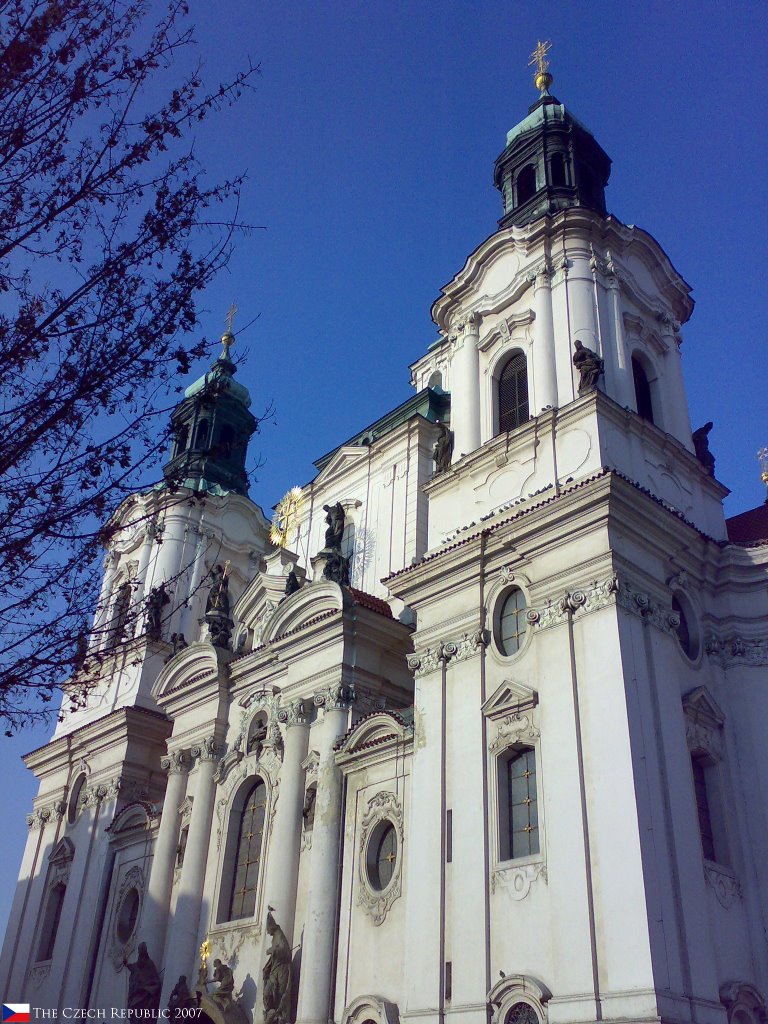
(381, 857)
(686, 631)
(128, 915)
(510, 622)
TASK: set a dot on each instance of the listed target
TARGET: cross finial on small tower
(763, 457)
(541, 75)
(228, 338)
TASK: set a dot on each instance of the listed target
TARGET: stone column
(544, 366)
(154, 923)
(286, 835)
(625, 386)
(465, 388)
(182, 935)
(320, 927)
(676, 419)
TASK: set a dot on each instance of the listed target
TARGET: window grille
(513, 393)
(242, 902)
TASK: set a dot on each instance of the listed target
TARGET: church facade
(477, 729)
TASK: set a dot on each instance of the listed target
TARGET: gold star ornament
(286, 518)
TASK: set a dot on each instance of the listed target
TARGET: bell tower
(551, 161)
(211, 429)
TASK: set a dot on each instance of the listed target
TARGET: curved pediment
(313, 600)
(379, 727)
(198, 661)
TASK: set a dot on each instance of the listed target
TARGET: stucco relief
(516, 879)
(48, 813)
(121, 948)
(733, 650)
(573, 450)
(724, 884)
(261, 623)
(384, 806)
(466, 646)
(513, 728)
(38, 973)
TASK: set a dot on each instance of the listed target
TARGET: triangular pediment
(345, 458)
(62, 852)
(510, 697)
(701, 706)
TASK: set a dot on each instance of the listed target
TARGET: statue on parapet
(143, 983)
(442, 453)
(590, 366)
(181, 999)
(700, 439)
(277, 976)
(335, 531)
(223, 995)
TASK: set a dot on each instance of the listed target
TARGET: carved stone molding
(725, 885)
(207, 749)
(383, 806)
(517, 879)
(111, 789)
(733, 650)
(177, 762)
(311, 764)
(466, 646)
(120, 948)
(38, 973)
(295, 713)
(261, 623)
(336, 697)
(50, 813)
(513, 728)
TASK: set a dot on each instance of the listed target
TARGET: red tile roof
(375, 604)
(749, 527)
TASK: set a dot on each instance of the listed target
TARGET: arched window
(513, 393)
(244, 852)
(518, 804)
(120, 610)
(699, 767)
(226, 440)
(557, 169)
(201, 438)
(642, 390)
(51, 921)
(526, 184)
(586, 183)
(348, 540)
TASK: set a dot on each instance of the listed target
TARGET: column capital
(176, 762)
(296, 713)
(208, 749)
(337, 697)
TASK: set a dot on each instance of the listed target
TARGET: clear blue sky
(370, 143)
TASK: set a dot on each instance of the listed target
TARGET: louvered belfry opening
(513, 393)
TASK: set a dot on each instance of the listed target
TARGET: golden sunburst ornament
(287, 512)
(205, 952)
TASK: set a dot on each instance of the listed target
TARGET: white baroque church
(485, 731)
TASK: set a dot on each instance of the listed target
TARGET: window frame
(504, 841)
(229, 860)
(505, 360)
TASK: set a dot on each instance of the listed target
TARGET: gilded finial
(763, 457)
(228, 338)
(541, 76)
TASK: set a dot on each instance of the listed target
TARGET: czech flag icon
(15, 1013)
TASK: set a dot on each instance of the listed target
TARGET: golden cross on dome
(231, 317)
(228, 338)
(541, 76)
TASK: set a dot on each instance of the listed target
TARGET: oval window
(686, 632)
(382, 855)
(128, 915)
(511, 623)
(76, 799)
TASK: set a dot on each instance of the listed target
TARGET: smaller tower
(211, 428)
(551, 160)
